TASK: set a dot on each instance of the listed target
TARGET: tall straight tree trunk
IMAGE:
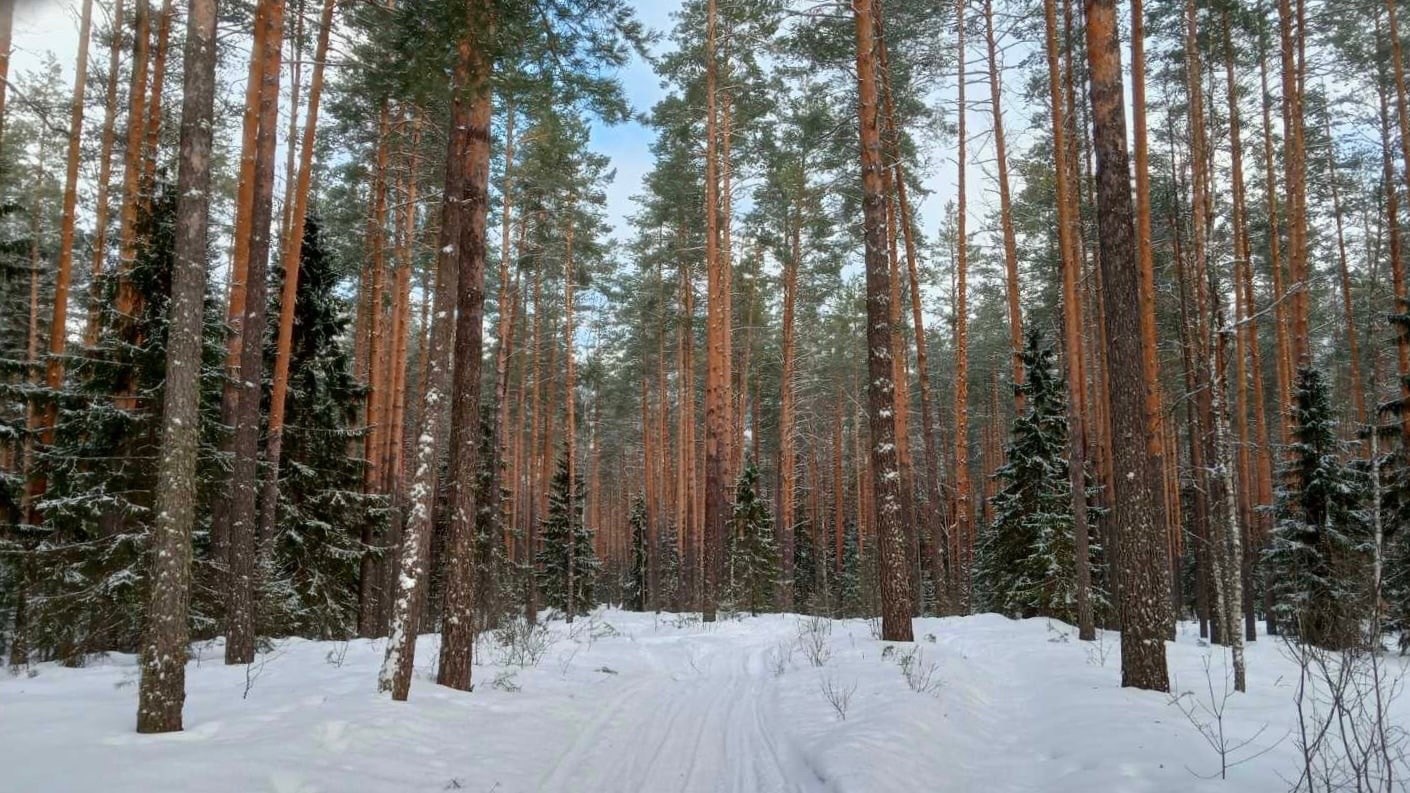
(1144, 567)
(127, 296)
(397, 665)
(162, 691)
(458, 632)
(293, 248)
(153, 126)
(1145, 252)
(244, 485)
(239, 264)
(1252, 452)
(717, 369)
(1281, 322)
(787, 448)
(105, 170)
(1397, 265)
(1011, 286)
(376, 350)
(570, 427)
(58, 322)
(960, 462)
(1295, 167)
(931, 475)
(896, 596)
(1354, 382)
(1072, 335)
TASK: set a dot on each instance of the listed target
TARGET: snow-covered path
(639, 702)
(704, 719)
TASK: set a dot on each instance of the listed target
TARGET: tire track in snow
(712, 731)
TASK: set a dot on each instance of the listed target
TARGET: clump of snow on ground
(642, 702)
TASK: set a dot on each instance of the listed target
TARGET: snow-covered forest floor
(641, 702)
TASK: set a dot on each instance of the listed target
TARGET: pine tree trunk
(244, 485)
(1011, 285)
(896, 596)
(1145, 251)
(1072, 336)
(458, 631)
(1295, 169)
(717, 379)
(960, 462)
(58, 322)
(239, 264)
(1143, 566)
(162, 690)
(154, 104)
(397, 665)
(105, 169)
(293, 249)
(787, 454)
(128, 300)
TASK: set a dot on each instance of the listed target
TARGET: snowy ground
(640, 702)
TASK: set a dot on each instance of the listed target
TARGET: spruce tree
(1317, 566)
(848, 584)
(634, 592)
(1026, 564)
(311, 575)
(753, 559)
(671, 585)
(89, 573)
(564, 525)
(494, 587)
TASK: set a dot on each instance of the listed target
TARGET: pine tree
(753, 560)
(1027, 560)
(634, 581)
(1318, 564)
(309, 584)
(494, 587)
(566, 541)
(806, 584)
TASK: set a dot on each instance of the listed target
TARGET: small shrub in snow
(1206, 714)
(780, 658)
(337, 655)
(930, 637)
(521, 644)
(838, 694)
(889, 651)
(1098, 651)
(918, 672)
(814, 634)
(504, 681)
(565, 660)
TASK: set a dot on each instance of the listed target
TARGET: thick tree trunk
(1143, 567)
(458, 631)
(397, 665)
(896, 596)
(1145, 251)
(717, 374)
(162, 690)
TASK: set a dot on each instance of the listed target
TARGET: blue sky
(629, 144)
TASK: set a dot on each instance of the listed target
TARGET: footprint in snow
(333, 736)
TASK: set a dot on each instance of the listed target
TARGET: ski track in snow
(657, 703)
